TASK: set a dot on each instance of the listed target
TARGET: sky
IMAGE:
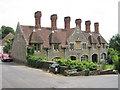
(103, 11)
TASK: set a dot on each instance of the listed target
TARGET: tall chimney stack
(38, 19)
(87, 23)
(53, 21)
(78, 23)
(96, 26)
(67, 22)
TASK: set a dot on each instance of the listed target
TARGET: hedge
(72, 64)
(35, 61)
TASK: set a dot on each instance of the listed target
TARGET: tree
(114, 57)
(115, 42)
(8, 45)
(6, 30)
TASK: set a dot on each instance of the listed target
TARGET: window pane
(56, 47)
(35, 47)
(84, 45)
(71, 46)
(84, 58)
(38, 47)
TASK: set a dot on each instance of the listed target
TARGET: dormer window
(71, 46)
(37, 47)
(56, 47)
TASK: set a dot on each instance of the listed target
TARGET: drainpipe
(48, 52)
(89, 54)
(65, 53)
(99, 54)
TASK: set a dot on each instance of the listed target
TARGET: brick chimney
(87, 23)
(78, 23)
(38, 19)
(96, 26)
(53, 21)
(67, 22)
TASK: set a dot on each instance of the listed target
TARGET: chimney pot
(53, 21)
(38, 19)
(96, 26)
(78, 23)
(88, 23)
(67, 22)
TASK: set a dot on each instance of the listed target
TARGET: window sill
(78, 48)
(56, 50)
(71, 50)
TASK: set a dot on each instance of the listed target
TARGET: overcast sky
(103, 11)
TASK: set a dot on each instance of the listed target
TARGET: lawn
(109, 66)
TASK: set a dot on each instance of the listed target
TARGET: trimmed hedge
(35, 61)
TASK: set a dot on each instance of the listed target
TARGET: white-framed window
(37, 47)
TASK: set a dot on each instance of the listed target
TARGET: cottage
(54, 43)
(3, 41)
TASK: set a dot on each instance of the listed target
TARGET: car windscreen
(5, 55)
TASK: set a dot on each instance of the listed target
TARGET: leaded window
(71, 46)
(56, 47)
(84, 45)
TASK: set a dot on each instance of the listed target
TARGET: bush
(34, 61)
(115, 57)
(92, 66)
(84, 65)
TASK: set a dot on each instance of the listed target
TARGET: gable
(19, 35)
(77, 36)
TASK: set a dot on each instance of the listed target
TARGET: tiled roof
(8, 36)
(53, 38)
(45, 36)
(101, 39)
(35, 38)
(92, 39)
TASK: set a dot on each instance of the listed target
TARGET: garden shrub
(92, 66)
(84, 65)
(115, 57)
(34, 61)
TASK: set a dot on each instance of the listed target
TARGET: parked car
(0, 56)
(6, 57)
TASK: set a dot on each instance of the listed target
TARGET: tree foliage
(114, 57)
(8, 45)
(115, 42)
(6, 30)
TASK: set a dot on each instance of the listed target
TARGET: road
(19, 76)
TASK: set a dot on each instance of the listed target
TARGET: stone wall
(18, 51)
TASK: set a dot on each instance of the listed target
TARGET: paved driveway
(18, 76)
